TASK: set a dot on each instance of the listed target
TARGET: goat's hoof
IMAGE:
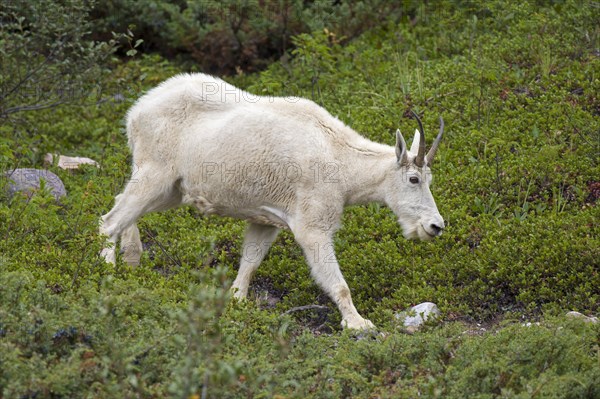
(132, 259)
(109, 255)
(358, 323)
(238, 294)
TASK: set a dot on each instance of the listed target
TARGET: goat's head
(409, 195)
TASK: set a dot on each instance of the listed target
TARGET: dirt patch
(265, 292)
(594, 189)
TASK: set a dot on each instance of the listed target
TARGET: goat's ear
(414, 147)
(401, 154)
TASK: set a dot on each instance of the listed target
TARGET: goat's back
(191, 105)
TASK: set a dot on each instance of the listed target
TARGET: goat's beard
(415, 231)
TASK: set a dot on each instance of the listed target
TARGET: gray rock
(416, 316)
(577, 315)
(371, 335)
(28, 181)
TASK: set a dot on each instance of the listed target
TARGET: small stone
(412, 329)
(586, 319)
(28, 181)
(416, 316)
(65, 162)
(530, 324)
(370, 334)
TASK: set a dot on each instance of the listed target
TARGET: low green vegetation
(517, 178)
(229, 36)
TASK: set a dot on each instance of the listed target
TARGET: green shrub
(516, 179)
(48, 58)
(231, 37)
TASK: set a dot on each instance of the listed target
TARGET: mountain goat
(279, 163)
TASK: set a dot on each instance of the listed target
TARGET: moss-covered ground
(517, 178)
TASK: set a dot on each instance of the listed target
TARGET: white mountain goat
(279, 163)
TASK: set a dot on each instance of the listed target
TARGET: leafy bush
(228, 37)
(47, 57)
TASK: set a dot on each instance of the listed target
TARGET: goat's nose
(437, 229)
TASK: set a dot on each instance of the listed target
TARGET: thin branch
(27, 77)
(305, 307)
(36, 107)
(175, 261)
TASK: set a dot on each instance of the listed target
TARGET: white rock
(65, 162)
(416, 316)
(529, 324)
(577, 315)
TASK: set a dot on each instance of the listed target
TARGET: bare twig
(35, 107)
(26, 78)
(305, 307)
(176, 261)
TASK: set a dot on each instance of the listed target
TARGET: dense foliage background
(517, 178)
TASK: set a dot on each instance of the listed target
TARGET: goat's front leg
(257, 242)
(320, 255)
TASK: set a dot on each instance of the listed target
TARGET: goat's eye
(414, 180)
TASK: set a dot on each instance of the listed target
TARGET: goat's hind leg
(131, 245)
(141, 196)
(109, 253)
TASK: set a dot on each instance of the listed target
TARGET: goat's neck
(366, 175)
